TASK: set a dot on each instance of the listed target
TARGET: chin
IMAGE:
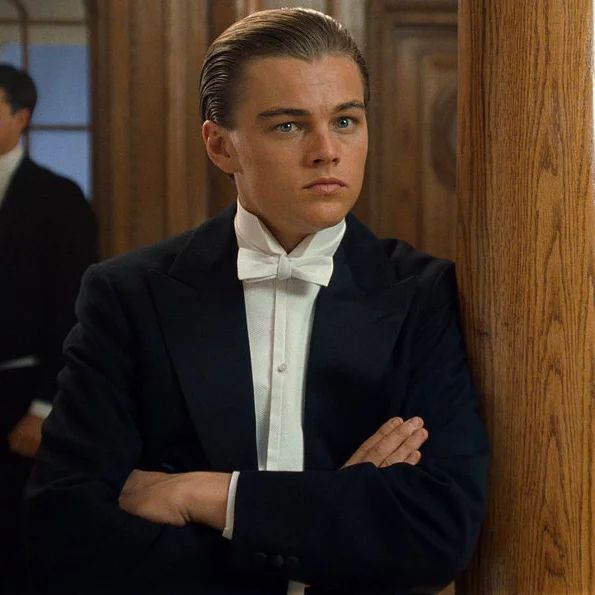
(323, 223)
(331, 213)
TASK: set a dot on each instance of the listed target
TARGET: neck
(4, 150)
(288, 241)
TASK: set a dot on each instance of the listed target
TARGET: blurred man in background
(47, 240)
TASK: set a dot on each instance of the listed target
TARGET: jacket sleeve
(398, 529)
(80, 541)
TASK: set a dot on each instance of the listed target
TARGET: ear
(219, 147)
(23, 117)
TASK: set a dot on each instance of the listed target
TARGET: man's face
(299, 143)
(11, 125)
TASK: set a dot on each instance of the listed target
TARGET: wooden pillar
(525, 262)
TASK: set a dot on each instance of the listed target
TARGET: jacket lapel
(200, 304)
(357, 322)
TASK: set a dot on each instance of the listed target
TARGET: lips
(325, 185)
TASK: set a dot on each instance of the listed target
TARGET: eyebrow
(297, 112)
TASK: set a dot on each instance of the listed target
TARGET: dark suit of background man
(243, 406)
(47, 239)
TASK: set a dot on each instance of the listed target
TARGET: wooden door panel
(410, 191)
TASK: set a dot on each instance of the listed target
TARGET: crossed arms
(201, 497)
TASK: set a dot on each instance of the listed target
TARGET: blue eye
(344, 122)
(285, 127)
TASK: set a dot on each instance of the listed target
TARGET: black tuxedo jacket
(158, 377)
(47, 240)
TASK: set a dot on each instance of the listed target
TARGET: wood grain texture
(186, 160)
(525, 262)
(410, 191)
(149, 167)
(109, 23)
(147, 121)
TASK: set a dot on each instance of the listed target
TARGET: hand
(25, 438)
(395, 442)
(177, 498)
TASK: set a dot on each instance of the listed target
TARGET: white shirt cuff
(231, 504)
(40, 408)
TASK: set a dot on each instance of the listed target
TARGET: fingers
(408, 451)
(399, 444)
(359, 456)
(413, 459)
(396, 441)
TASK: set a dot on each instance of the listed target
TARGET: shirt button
(282, 367)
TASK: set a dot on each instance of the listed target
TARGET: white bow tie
(258, 266)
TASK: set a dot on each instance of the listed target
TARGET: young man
(243, 406)
(47, 240)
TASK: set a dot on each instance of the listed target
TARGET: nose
(323, 148)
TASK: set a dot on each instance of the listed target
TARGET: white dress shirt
(9, 162)
(8, 165)
(279, 316)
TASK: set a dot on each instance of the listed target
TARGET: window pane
(61, 73)
(56, 9)
(10, 51)
(66, 152)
